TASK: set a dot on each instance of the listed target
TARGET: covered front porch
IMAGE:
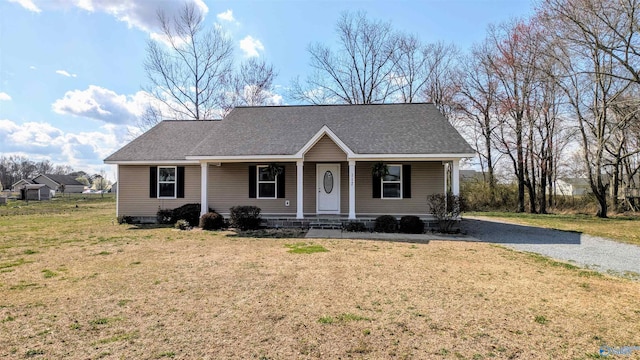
(326, 192)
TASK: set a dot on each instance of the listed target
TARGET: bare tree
(251, 85)
(596, 44)
(478, 104)
(360, 71)
(619, 20)
(443, 78)
(186, 71)
(514, 67)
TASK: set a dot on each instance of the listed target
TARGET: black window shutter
(280, 182)
(406, 181)
(376, 184)
(252, 181)
(153, 182)
(180, 182)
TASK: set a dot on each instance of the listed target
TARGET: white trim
(294, 157)
(204, 184)
(299, 155)
(352, 190)
(382, 181)
(315, 138)
(258, 181)
(299, 189)
(336, 186)
(244, 158)
(154, 162)
(409, 157)
(174, 182)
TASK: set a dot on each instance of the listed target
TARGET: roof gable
(325, 131)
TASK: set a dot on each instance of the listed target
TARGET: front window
(392, 183)
(167, 182)
(266, 183)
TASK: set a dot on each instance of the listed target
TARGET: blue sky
(71, 71)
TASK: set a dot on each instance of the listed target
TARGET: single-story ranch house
(67, 183)
(294, 162)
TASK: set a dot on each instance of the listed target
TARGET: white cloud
(42, 141)
(141, 14)
(32, 67)
(4, 96)
(226, 16)
(102, 104)
(251, 46)
(65, 73)
(27, 4)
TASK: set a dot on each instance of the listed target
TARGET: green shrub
(411, 225)
(211, 221)
(478, 197)
(123, 219)
(245, 217)
(165, 216)
(354, 226)
(386, 224)
(182, 224)
(189, 212)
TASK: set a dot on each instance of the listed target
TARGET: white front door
(328, 187)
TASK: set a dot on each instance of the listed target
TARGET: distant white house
(572, 186)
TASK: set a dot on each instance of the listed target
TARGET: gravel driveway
(585, 250)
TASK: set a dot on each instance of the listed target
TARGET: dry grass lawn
(76, 285)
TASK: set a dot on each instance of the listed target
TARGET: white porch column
(299, 190)
(204, 177)
(445, 166)
(352, 189)
(455, 177)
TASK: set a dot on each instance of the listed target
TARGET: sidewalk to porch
(418, 238)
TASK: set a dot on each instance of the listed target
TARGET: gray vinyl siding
(325, 150)
(426, 178)
(133, 197)
(229, 186)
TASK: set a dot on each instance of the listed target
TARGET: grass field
(75, 284)
(620, 228)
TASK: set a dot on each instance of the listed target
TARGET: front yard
(75, 284)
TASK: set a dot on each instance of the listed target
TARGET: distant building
(36, 192)
(572, 186)
(60, 182)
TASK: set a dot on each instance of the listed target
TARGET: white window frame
(399, 181)
(258, 182)
(174, 182)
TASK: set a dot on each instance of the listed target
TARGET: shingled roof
(63, 179)
(284, 130)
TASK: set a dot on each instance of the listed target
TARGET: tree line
(15, 167)
(558, 90)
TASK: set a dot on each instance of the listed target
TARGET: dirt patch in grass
(162, 293)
